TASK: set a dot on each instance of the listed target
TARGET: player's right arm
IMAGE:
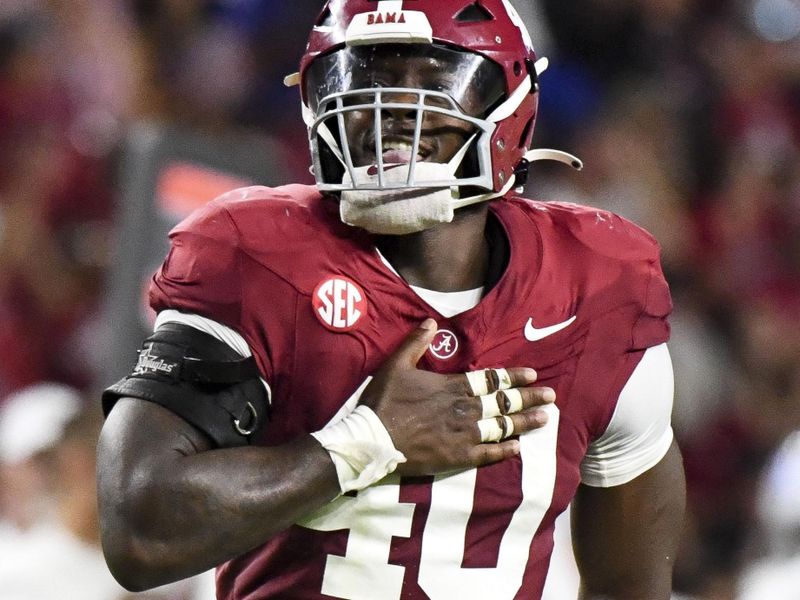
(170, 507)
(173, 504)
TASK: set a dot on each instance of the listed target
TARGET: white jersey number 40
(376, 515)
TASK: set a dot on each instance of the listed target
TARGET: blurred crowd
(686, 114)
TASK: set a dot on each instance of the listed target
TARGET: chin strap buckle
(521, 172)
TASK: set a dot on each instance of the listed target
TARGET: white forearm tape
(361, 449)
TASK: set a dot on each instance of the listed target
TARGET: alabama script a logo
(444, 344)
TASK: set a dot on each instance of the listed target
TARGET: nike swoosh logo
(532, 334)
(373, 169)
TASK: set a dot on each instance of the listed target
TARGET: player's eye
(381, 79)
(432, 100)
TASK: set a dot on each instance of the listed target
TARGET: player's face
(440, 87)
(442, 135)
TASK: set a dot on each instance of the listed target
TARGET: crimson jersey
(321, 311)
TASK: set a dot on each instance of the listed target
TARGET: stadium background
(119, 116)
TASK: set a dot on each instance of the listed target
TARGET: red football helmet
(487, 80)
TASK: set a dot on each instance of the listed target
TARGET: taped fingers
(512, 400)
(503, 402)
(496, 428)
(489, 406)
(488, 381)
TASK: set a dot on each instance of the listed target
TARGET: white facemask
(398, 211)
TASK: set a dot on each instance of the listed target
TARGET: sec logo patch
(339, 303)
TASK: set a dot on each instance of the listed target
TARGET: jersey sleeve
(213, 328)
(640, 432)
(202, 271)
(652, 328)
(621, 262)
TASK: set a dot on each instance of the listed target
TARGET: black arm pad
(202, 380)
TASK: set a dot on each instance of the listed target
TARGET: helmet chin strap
(531, 156)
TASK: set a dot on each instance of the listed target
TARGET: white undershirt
(447, 304)
(637, 437)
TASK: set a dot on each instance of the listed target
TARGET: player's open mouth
(399, 152)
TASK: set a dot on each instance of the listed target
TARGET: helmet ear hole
(517, 68)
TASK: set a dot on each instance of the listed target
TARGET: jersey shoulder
(599, 231)
(254, 234)
(265, 224)
(607, 262)
(272, 212)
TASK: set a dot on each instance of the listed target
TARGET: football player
(390, 384)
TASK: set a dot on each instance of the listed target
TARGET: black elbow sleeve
(202, 380)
